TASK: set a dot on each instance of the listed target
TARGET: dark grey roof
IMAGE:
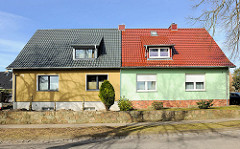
(5, 80)
(88, 40)
(53, 49)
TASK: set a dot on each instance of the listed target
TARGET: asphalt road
(228, 139)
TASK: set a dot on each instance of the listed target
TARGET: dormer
(86, 47)
(157, 47)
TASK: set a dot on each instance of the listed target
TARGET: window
(154, 33)
(159, 53)
(47, 83)
(84, 53)
(94, 82)
(146, 82)
(195, 82)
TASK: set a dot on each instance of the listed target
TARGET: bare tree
(223, 14)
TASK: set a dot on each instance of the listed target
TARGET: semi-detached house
(66, 67)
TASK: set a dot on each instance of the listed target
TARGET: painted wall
(72, 85)
(171, 84)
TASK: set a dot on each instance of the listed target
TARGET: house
(5, 86)
(177, 66)
(64, 68)
(5, 80)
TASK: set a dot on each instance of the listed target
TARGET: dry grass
(15, 134)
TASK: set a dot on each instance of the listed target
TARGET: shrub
(124, 104)
(107, 94)
(205, 104)
(157, 105)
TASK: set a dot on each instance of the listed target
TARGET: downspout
(14, 90)
(227, 87)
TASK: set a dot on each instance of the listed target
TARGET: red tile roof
(156, 40)
(193, 48)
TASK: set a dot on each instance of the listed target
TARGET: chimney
(121, 27)
(173, 27)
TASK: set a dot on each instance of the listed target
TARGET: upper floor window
(48, 83)
(195, 82)
(162, 52)
(84, 53)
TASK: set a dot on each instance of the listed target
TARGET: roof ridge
(163, 28)
(80, 29)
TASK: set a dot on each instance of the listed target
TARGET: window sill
(167, 58)
(146, 91)
(159, 57)
(196, 90)
(84, 59)
(96, 90)
(48, 91)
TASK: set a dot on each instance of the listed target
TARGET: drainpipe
(14, 90)
(227, 87)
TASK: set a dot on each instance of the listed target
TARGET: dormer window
(161, 52)
(86, 46)
(85, 53)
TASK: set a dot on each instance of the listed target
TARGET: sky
(19, 19)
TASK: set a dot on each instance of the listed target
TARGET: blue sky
(19, 19)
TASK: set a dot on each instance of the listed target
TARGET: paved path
(111, 124)
(204, 140)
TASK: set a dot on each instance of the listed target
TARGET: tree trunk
(106, 107)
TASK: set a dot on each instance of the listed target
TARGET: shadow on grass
(108, 138)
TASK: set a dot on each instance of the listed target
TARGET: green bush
(157, 105)
(124, 104)
(205, 104)
(107, 94)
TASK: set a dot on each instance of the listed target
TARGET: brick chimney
(173, 27)
(121, 27)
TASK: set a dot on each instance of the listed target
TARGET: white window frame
(48, 82)
(195, 81)
(159, 51)
(146, 83)
(94, 49)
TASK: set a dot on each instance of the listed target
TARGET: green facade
(171, 84)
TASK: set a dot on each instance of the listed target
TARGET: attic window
(162, 52)
(85, 53)
(154, 33)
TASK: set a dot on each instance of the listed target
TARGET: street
(182, 140)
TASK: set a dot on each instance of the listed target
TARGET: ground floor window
(48, 82)
(195, 82)
(94, 82)
(146, 83)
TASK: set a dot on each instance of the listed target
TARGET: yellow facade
(72, 85)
